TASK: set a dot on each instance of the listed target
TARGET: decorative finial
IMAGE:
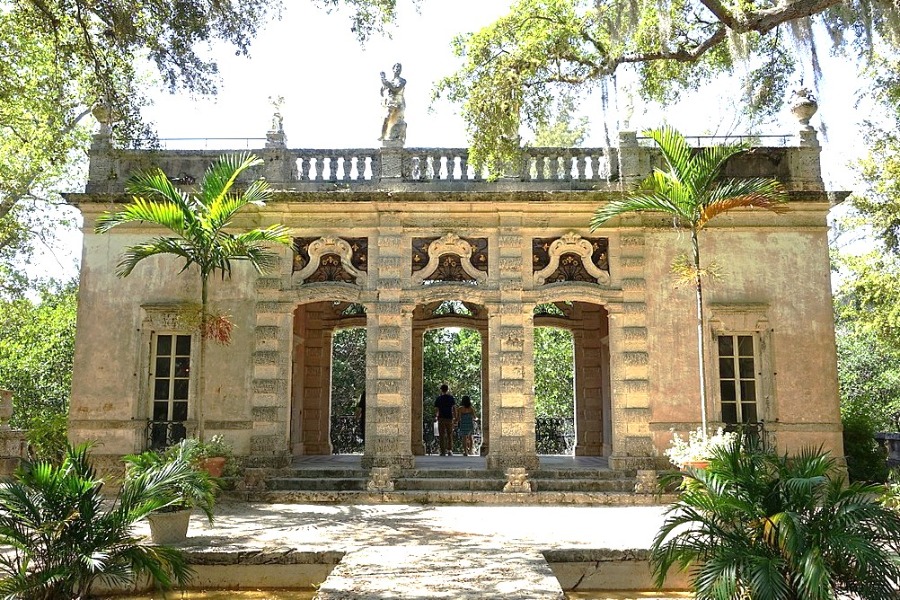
(804, 106)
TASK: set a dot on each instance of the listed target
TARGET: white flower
(697, 447)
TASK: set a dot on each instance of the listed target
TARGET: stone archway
(589, 324)
(435, 315)
(310, 406)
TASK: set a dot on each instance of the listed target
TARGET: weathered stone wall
(637, 367)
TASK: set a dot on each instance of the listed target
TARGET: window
(737, 379)
(170, 384)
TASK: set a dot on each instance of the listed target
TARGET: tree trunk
(701, 353)
(201, 387)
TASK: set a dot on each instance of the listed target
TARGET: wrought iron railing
(162, 434)
(554, 435)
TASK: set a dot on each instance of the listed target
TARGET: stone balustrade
(411, 168)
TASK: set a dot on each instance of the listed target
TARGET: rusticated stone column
(629, 363)
(389, 363)
(511, 359)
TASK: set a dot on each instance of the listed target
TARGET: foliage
(47, 436)
(514, 67)
(451, 356)
(691, 192)
(698, 447)
(195, 487)
(37, 347)
(563, 131)
(866, 459)
(61, 534)
(554, 372)
(348, 369)
(756, 524)
(61, 58)
(200, 222)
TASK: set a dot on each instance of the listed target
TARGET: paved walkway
(344, 528)
(408, 551)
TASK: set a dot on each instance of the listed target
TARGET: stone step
(336, 484)
(443, 571)
(451, 484)
(453, 497)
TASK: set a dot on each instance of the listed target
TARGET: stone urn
(804, 106)
(169, 527)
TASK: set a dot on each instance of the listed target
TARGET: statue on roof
(394, 127)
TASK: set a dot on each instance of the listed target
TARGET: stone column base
(398, 462)
(506, 461)
(631, 463)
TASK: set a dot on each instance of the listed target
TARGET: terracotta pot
(214, 465)
(695, 464)
(169, 527)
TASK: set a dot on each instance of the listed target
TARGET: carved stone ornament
(517, 481)
(381, 480)
(571, 259)
(804, 106)
(165, 317)
(331, 250)
(451, 245)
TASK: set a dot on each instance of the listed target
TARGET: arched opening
(583, 327)
(451, 356)
(348, 386)
(316, 324)
(554, 391)
(449, 344)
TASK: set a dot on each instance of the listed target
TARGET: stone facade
(398, 231)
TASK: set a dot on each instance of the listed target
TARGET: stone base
(506, 461)
(397, 462)
(632, 463)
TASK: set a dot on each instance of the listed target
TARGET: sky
(331, 85)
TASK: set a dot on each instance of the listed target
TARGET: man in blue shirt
(446, 412)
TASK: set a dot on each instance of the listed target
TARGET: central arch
(441, 314)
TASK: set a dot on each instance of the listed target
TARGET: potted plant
(214, 455)
(695, 451)
(198, 489)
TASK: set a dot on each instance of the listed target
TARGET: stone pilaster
(101, 167)
(511, 360)
(270, 392)
(632, 445)
(804, 163)
(634, 161)
(389, 362)
(391, 159)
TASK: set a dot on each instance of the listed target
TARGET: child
(465, 415)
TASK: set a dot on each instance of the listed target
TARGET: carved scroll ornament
(330, 248)
(450, 245)
(572, 247)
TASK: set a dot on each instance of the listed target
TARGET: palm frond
(162, 245)
(165, 214)
(674, 148)
(221, 176)
(646, 202)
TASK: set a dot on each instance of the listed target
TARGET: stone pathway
(415, 551)
(445, 571)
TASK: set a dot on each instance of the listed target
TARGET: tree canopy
(514, 67)
(61, 58)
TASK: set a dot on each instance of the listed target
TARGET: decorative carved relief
(449, 258)
(570, 258)
(331, 259)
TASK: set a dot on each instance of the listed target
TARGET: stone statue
(394, 127)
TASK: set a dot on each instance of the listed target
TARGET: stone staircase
(442, 485)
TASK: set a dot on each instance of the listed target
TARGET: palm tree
(200, 223)
(61, 533)
(756, 524)
(692, 193)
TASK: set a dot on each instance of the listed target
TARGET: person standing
(446, 413)
(465, 415)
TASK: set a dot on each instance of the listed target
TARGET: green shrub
(60, 534)
(47, 436)
(866, 459)
(756, 524)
